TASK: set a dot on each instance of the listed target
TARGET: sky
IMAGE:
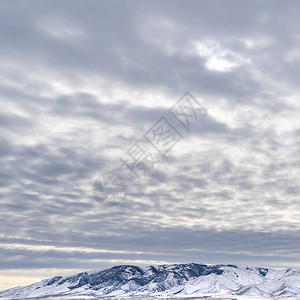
(82, 82)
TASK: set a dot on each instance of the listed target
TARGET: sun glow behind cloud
(218, 58)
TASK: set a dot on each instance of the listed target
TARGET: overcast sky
(82, 81)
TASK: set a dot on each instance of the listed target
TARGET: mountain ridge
(173, 280)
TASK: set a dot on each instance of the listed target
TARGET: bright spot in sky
(218, 58)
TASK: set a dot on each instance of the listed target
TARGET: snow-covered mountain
(180, 280)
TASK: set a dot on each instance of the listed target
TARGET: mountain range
(168, 281)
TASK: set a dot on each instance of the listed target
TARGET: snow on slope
(182, 280)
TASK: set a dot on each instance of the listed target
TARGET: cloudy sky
(82, 81)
